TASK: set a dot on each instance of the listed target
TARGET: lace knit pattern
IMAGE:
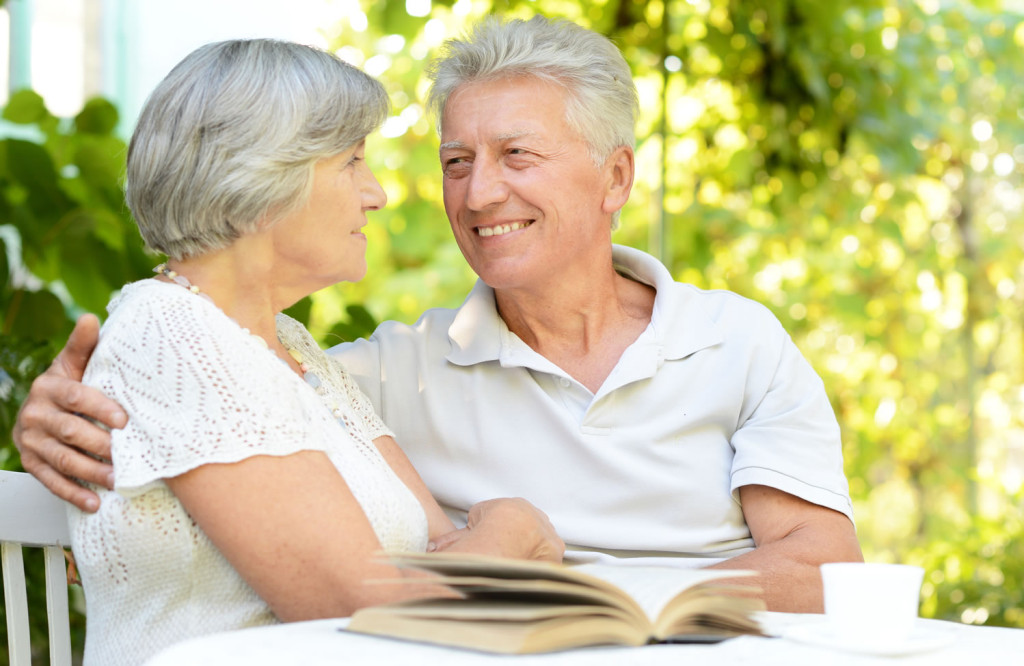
(198, 389)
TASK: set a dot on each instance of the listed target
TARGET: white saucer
(822, 635)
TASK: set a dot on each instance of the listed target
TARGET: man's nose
(487, 185)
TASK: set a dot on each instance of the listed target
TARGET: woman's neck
(239, 281)
(236, 286)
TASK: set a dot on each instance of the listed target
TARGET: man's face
(523, 196)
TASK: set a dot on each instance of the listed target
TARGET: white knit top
(199, 389)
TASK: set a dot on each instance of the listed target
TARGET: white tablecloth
(325, 642)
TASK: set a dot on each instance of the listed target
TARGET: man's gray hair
(602, 103)
(227, 142)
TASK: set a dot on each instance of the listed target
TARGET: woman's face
(323, 241)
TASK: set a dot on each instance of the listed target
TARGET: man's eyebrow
(514, 134)
(505, 136)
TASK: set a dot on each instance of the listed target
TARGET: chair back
(31, 516)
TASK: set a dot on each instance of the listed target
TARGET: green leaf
(300, 310)
(98, 116)
(342, 332)
(25, 107)
(361, 317)
(34, 315)
(100, 160)
(361, 324)
(30, 165)
(5, 269)
(109, 228)
(92, 271)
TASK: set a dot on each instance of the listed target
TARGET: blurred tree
(67, 243)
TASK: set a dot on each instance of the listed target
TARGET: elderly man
(652, 421)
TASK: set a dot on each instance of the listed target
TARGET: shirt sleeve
(789, 438)
(197, 389)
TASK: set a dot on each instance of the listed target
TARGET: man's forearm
(788, 569)
(793, 537)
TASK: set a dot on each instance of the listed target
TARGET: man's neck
(583, 327)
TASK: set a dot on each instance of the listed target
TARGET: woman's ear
(620, 169)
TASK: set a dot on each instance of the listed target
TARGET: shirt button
(564, 382)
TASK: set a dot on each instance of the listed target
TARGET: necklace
(311, 377)
(308, 375)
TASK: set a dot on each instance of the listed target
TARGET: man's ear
(619, 169)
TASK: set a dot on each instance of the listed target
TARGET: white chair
(31, 516)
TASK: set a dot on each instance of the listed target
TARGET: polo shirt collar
(477, 330)
(679, 324)
(478, 334)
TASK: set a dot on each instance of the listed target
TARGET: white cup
(870, 603)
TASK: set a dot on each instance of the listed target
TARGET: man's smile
(502, 229)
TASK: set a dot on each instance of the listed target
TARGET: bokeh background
(856, 165)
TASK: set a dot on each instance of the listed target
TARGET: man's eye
(456, 167)
(520, 158)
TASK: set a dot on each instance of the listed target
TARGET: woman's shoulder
(291, 329)
(294, 335)
(176, 307)
(154, 298)
(158, 321)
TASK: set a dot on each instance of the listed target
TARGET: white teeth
(501, 229)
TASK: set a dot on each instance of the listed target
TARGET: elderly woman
(253, 482)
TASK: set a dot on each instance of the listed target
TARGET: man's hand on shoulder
(58, 445)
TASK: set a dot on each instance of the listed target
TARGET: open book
(516, 606)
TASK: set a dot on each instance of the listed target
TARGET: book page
(643, 590)
(654, 587)
(475, 564)
(520, 607)
(506, 636)
(464, 571)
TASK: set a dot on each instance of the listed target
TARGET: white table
(324, 642)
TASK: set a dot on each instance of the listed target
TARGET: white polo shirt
(712, 396)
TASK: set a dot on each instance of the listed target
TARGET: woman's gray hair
(227, 142)
(602, 104)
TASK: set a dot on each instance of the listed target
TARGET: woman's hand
(506, 527)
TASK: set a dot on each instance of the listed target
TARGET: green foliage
(60, 193)
(76, 244)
